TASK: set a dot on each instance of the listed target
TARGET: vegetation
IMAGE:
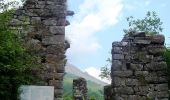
(167, 58)
(150, 24)
(105, 71)
(16, 61)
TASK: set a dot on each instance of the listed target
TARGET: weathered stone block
(156, 66)
(142, 42)
(116, 44)
(122, 73)
(163, 94)
(141, 73)
(35, 20)
(80, 89)
(116, 81)
(116, 65)
(56, 83)
(50, 22)
(56, 49)
(156, 50)
(58, 93)
(158, 39)
(124, 90)
(59, 30)
(142, 90)
(58, 76)
(50, 58)
(117, 50)
(53, 40)
(108, 92)
(131, 82)
(136, 67)
(117, 56)
(132, 97)
(161, 87)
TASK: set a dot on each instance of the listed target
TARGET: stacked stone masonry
(138, 72)
(80, 89)
(45, 22)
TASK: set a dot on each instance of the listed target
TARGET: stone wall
(108, 92)
(43, 24)
(138, 72)
(80, 89)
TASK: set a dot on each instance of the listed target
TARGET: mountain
(95, 86)
(71, 69)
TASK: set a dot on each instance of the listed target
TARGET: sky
(98, 23)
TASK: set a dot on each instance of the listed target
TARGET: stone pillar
(80, 89)
(108, 93)
(138, 70)
(45, 32)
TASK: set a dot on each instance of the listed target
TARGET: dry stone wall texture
(138, 72)
(45, 22)
(80, 89)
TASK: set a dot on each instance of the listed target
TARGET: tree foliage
(16, 61)
(105, 71)
(150, 24)
(166, 55)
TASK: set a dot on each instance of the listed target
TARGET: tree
(166, 55)
(16, 61)
(105, 71)
(151, 24)
(92, 98)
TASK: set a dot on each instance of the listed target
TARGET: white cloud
(147, 3)
(130, 7)
(95, 73)
(92, 17)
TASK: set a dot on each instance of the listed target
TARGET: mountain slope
(71, 69)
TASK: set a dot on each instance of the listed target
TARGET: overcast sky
(97, 23)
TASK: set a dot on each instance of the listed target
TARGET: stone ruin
(80, 89)
(45, 22)
(138, 72)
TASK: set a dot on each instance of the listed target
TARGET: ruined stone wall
(45, 22)
(138, 72)
(80, 89)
